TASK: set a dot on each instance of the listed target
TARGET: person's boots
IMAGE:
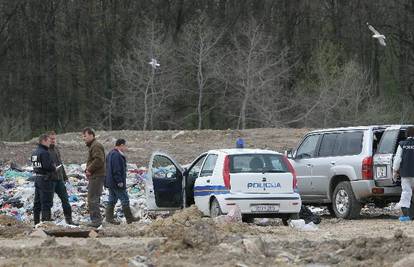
(406, 215)
(69, 221)
(109, 215)
(36, 217)
(128, 215)
(46, 215)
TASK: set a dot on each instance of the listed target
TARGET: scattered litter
(139, 261)
(174, 136)
(233, 216)
(308, 214)
(17, 194)
(302, 226)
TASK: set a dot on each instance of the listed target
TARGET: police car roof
(238, 151)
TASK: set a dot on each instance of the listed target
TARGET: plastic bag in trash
(233, 216)
(302, 226)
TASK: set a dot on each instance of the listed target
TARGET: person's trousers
(406, 192)
(116, 194)
(95, 188)
(60, 190)
(43, 200)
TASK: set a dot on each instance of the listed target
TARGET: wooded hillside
(67, 64)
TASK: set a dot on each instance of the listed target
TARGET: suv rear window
(387, 143)
(349, 143)
(257, 163)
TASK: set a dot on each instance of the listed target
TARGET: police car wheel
(215, 209)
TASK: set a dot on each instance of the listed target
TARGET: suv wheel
(215, 209)
(344, 203)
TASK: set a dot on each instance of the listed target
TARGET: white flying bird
(377, 35)
(154, 63)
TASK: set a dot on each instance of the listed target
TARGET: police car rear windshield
(253, 163)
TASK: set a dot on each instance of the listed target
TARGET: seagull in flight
(377, 35)
(154, 63)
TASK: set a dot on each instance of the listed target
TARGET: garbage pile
(17, 193)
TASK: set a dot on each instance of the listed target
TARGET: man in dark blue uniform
(404, 167)
(43, 168)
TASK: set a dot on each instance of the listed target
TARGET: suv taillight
(226, 172)
(367, 169)
(292, 171)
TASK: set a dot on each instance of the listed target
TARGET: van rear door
(384, 157)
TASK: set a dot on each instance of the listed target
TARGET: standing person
(95, 172)
(59, 178)
(115, 181)
(404, 166)
(43, 168)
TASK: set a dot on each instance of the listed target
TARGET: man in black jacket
(59, 178)
(43, 168)
(115, 181)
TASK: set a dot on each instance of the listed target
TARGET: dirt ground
(188, 239)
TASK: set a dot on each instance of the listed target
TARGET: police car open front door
(164, 186)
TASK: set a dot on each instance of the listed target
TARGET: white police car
(262, 183)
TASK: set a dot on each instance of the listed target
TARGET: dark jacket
(41, 161)
(407, 158)
(115, 170)
(96, 159)
(60, 173)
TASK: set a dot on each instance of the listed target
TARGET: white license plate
(265, 208)
(381, 171)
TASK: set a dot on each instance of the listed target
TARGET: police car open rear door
(165, 183)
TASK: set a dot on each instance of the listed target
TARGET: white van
(262, 183)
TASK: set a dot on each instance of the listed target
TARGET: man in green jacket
(95, 172)
(59, 178)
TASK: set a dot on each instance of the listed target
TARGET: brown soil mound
(10, 227)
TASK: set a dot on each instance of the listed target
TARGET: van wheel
(215, 209)
(344, 204)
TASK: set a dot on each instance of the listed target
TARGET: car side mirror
(289, 153)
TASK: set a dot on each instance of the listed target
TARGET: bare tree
(258, 69)
(200, 53)
(139, 89)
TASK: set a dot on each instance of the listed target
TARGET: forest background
(67, 64)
